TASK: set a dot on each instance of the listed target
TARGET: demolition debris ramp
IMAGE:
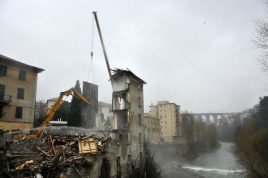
(53, 155)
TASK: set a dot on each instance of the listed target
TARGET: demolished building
(128, 122)
(65, 152)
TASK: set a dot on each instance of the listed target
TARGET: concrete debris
(51, 156)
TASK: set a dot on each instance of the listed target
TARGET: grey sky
(198, 54)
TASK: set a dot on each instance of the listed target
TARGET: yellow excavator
(51, 112)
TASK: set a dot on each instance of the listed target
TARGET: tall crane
(102, 44)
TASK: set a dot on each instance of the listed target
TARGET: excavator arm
(53, 109)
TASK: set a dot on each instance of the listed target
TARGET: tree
(188, 134)
(263, 110)
(251, 141)
(212, 136)
(261, 41)
(199, 136)
(148, 168)
(251, 149)
(75, 118)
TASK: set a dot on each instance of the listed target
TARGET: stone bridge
(216, 117)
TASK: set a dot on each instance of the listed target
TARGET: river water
(220, 163)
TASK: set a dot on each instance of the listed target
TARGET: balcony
(5, 100)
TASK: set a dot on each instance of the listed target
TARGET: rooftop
(11, 61)
(121, 72)
(161, 103)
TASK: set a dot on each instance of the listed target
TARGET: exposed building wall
(12, 82)
(152, 129)
(89, 112)
(137, 122)
(128, 121)
(104, 116)
(154, 111)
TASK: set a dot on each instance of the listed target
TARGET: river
(220, 163)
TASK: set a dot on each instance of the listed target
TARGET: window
(140, 102)
(20, 93)
(3, 70)
(1, 111)
(22, 75)
(19, 112)
(2, 91)
(140, 138)
(140, 119)
(118, 168)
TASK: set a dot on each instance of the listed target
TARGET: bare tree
(261, 40)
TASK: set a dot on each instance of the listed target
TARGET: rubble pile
(51, 156)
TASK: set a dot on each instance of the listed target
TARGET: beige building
(168, 113)
(18, 84)
(152, 129)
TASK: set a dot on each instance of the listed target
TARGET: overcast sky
(198, 54)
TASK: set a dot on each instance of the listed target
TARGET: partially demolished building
(128, 121)
(64, 152)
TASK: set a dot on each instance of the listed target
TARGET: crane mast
(102, 44)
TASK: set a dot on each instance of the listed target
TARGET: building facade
(152, 129)
(18, 84)
(169, 114)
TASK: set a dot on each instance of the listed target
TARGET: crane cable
(91, 67)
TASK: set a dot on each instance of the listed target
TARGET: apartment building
(18, 84)
(168, 113)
